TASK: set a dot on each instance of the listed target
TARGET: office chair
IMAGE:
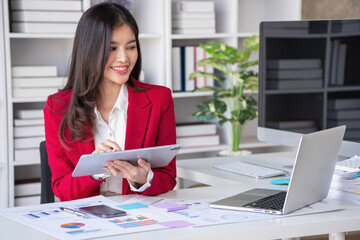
(47, 194)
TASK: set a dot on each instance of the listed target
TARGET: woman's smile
(120, 69)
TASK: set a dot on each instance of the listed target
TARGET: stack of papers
(346, 180)
(349, 165)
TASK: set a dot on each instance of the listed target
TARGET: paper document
(51, 220)
(201, 214)
(139, 216)
(347, 196)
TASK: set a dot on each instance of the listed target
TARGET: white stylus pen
(74, 212)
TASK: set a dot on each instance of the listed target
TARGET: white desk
(225, 184)
(339, 221)
(201, 169)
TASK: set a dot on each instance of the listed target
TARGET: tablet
(90, 164)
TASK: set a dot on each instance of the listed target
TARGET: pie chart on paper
(72, 225)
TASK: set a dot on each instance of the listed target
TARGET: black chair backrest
(47, 194)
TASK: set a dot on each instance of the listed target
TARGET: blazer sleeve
(164, 178)
(62, 162)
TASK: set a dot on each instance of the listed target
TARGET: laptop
(310, 179)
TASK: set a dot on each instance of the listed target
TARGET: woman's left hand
(124, 169)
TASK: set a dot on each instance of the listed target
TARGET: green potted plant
(234, 87)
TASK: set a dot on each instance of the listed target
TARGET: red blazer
(150, 122)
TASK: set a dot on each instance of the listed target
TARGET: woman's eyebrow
(129, 42)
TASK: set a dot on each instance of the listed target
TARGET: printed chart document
(139, 218)
(199, 213)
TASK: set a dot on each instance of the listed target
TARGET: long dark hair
(89, 56)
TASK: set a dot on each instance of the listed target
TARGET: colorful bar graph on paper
(130, 225)
(148, 222)
(137, 221)
(117, 221)
(140, 217)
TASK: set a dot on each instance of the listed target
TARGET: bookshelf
(332, 98)
(235, 20)
(3, 126)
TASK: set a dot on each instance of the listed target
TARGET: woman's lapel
(138, 114)
(87, 146)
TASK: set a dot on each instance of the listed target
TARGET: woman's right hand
(107, 146)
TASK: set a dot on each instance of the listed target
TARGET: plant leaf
(208, 75)
(204, 89)
(215, 63)
(249, 64)
(252, 42)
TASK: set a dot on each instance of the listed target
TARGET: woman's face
(122, 56)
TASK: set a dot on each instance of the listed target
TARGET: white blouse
(115, 130)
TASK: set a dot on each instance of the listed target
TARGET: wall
(320, 9)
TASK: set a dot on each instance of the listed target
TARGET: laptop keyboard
(273, 202)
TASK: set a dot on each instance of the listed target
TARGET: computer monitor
(309, 80)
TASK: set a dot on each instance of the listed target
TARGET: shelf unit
(318, 41)
(3, 125)
(235, 20)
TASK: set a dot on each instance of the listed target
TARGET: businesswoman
(103, 107)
